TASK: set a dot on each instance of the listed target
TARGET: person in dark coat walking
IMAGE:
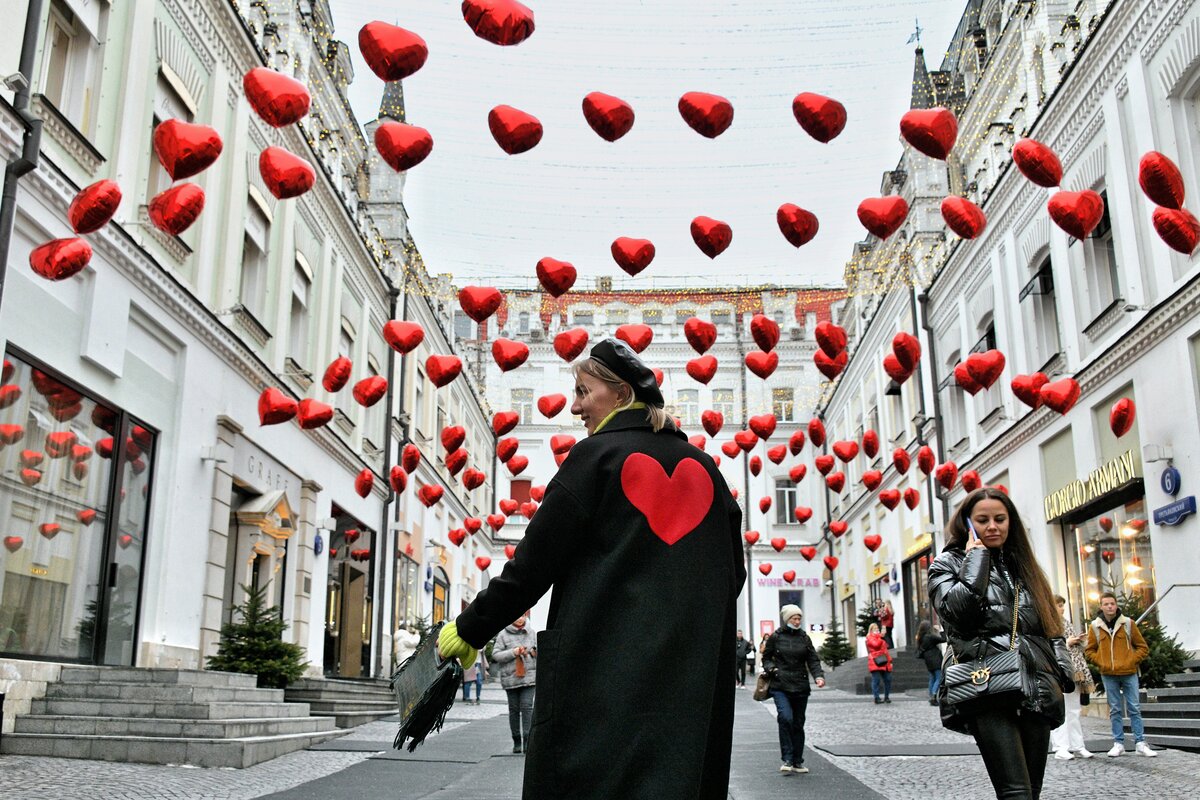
(742, 649)
(928, 650)
(986, 569)
(790, 658)
(637, 534)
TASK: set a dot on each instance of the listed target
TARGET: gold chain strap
(1012, 645)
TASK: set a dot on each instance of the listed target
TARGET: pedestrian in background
(790, 659)
(1069, 735)
(404, 644)
(1116, 646)
(473, 675)
(742, 650)
(929, 651)
(990, 594)
(887, 621)
(879, 664)
(515, 651)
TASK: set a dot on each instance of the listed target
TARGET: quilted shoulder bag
(987, 675)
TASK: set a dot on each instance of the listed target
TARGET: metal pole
(931, 490)
(741, 350)
(923, 299)
(384, 562)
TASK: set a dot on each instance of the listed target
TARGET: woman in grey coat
(515, 651)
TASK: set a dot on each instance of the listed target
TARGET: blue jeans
(881, 680)
(1122, 693)
(935, 680)
(792, 708)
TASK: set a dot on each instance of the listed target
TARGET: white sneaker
(786, 768)
(1063, 755)
(800, 770)
(1143, 749)
(1118, 749)
(1084, 752)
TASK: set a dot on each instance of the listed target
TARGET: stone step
(371, 684)
(1170, 710)
(1183, 694)
(352, 719)
(183, 728)
(1192, 664)
(1191, 743)
(313, 695)
(161, 692)
(1180, 727)
(79, 707)
(191, 677)
(1184, 679)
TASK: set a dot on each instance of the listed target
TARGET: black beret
(620, 358)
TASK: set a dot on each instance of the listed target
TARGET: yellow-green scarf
(615, 411)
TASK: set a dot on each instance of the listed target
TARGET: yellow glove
(450, 645)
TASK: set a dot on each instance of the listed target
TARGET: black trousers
(1014, 746)
(741, 671)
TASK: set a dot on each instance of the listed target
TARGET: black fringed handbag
(990, 675)
(425, 687)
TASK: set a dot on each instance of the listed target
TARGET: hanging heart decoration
(636, 335)
(551, 404)
(839, 527)
(901, 460)
(1161, 180)
(932, 131)
(391, 52)
(1038, 163)
(779, 544)
(790, 575)
(808, 552)
(93, 207)
(514, 130)
(410, 457)
(472, 479)
(632, 255)
(509, 354)
(962, 377)
(755, 465)
(926, 459)
(870, 443)
(556, 277)
(731, 449)
(402, 146)
(1027, 388)
(59, 443)
(697, 441)
(831, 367)
(337, 374)
(370, 391)
(455, 461)
(796, 442)
(285, 174)
(403, 337)
(442, 369)
(816, 432)
(777, 453)
(506, 449)
(1121, 417)
(947, 475)
(746, 440)
(277, 98)
(985, 368)
(895, 370)
(483, 562)
(510, 550)
(173, 211)
(104, 447)
(610, 117)
(963, 217)
(313, 413)
(60, 259)
(559, 443)
(845, 450)
(700, 334)
(11, 434)
(472, 524)
(907, 350)
(1061, 395)
(702, 369)
(398, 479)
(762, 364)
(508, 506)
(502, 22)
(802, 514)
(185, 149)
(751, 537)
(516, 465)
(871, 479)
(31, 458)
(86, 515)
(81, 452)
(1178, 228)
(570, 343)
(912, 498)
(763, 425)
(1106, 524)
(971, 480)
(9, 394)
(13, 543)
(797, 473)
(821, 117)
(452, 437)
(30, 477)
(364, 482)
(430, 494)
(836, 481)
(872, 541)
(765, 569)
(764, 503)
(457, 536)
(709, 115)
(496, 522)
(274, 407)
(765, 332)
(712, 236)
(797, 225)
(883, 216)
(504, 421)
(1077, 213)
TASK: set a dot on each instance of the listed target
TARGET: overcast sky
(488, 217)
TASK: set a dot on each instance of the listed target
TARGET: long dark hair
(1017, 548)
(924, 628)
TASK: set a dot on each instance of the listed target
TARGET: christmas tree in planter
(836, 650)
(255, 646)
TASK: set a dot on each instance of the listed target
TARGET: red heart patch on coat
(901, 460)
(370, 391)
(337, 374)
(410, 457)
(932, 131)
(821, 117)
(185, 149)
(551, 404)
(610, 117)
(94, 206)
(1161, 180)
(636, 335)
(674, 505)
(509, 354)
(963, 217)
(1060, 396)
(504, 421)
(403, 337)
(632, 255)
(514, 130)
(912, 498)
(836, 481)
(569, 344)
(709, 115)
(765, 332)
(429, 495)
(1038, 163)
(60, 259)
(391, 52)
(364, 482)
(797, 225)
(442, 369)
(556, 277)
(796, 442)
(174, 210)
(285, 174)
(711, 235)
(402, 146)
(700, 334)
(809, 553)
(873, 540)
(872, 478)
(277, 98)
(1178, 228)
(802, 514)
(845, 450)
(831, 367)
(313, 413)
(1077, 213)
(762, 364)
(1121, 417)
(502, 22)
(883, 216)
(712, 421)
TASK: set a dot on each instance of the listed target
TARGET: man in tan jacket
(1116, 646)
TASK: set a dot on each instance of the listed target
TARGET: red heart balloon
(809, 553)
(455, 461)
(700, 334)
(509, 354)
(712, 421)
(872, 478)
(104, 447)
(502, 22)
(632, 255)
(779, 544)
(796, 442)
(870, 443)
(1060, 396)
(711, 235)
(985, 368)
(398, 478)
(410, 457)
(1121, 417)
(762, 364)
(452, 437)
(480, 302)
(836, 481)
(370, 391)
(947, 475)
(907, 349)
(506, 449)
(570, 343)
(556, 276)
(697, 441)
(30, 477)
(510, 550)
(313, 414)
(429, 495)
(403, 337)
(830, 338)
(391, 52)
(457, 536)
(496, 522)
(472, 524)
(873, 541)
(731, 449)
(473, 479)
(1178, 228)
(838, 527)
(559, 443)
(278, 98)
(275, 407)
(637, 336)
(185, 149)
(702, 369)
(765, 332)
(337, 374)
(803, 514)
(59, 443)
(66, 414)
(442, 369)
(962, 377)
(963, 217)
(173, 211)
(764, 503)
(86, 515)
(60, 259)
(363, 482)
(709, 115)
(1106, 524)
(483, 562)
(746, 440)
(11, 434)
(94, 206)
(755, 465)
(751, 537)
(1161, 180)
(30, 458)
(551, 404)
(912, 498)
(831, 367)
(504, 421)
(797, 473)
(816, 432)
(610, 117)
(883, 216)
(790, 575)
(822, 118)
(285, 174)
(777, 453)
(765, 569)
(971, 480)
(901, 460)
(516, 465)
(846, 451)
(797, 225)
(514, 130)
(81, 452)
(926, 459)
(509, 506)
(763, 425)
(930, 130)
(402, 146)
(1108, 555)
(1077, 213)
(13, 543)
(1038, 163)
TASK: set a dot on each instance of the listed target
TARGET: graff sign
(782, 584)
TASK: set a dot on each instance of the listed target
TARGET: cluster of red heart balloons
(91, 209)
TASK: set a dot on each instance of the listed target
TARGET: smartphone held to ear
(971, 529)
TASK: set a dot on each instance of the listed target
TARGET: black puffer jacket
(975, 602)
(790, 653)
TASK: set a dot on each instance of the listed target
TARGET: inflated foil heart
(516, 465)
(391, 52)
(698, 441)
(712, 421)
(402, 146)
(790, 575)
(285, 174)
(1105, 523)
(962, 377)
(508, 506)
(709, 115)
(455, 461)
(59, 443)
(796, 442)
(472, 524)
(963, 217)
(398, 479)
(60, 259)
(930, 130)
(926, 459)
(313, 414)
(711, 235)
(883, 216)
(278, 98)
(81, 452)
(30, 477)
(947, 475)
(510, 550)
(1077, 213)
(410, 457)
(364, 482)
(831, 367)
(912, 498)
(509, 354)
(610, 117)
(839, 527)
(9, 394)
(821, 117)
(1060, 396)
(13, 543)
(797, 473)
(104, 447)
(777, 453)
(765, 569)
(901, 460)
(504, 421)
(1121, 417)
(1161, 180)
(803, 514)
(560, 443)
(274, 407)
(11, 434)
(337, 374)
(1027, 388)
(496, 522)
(755, 465)
(370, 391)
(1178, 228)
(836, 481)
(700, 334)
(473, 479)
(1038, 163)
(506, 449)
(816, 432)
(762, 364)
(702, 369)
(442, 369)
(746, 440)
(86, 515)
(809, 553)
(429, 494)
(94, 206)
(514, 130)
(632, 255)
(907, 349)
(764, 503)
(846, 450)
(479, 302)
(173, 211)
(502, 22)
(570, 343)
(551, 404)
(871, 479)
(403, 337)
(797, 225)
(830, 338)
(779, 544)
(185, 149)
(1108, 555)
(872, 541)
(66, 414)
(985, 368)
(636, 335)
(452, 437)
(751, 537)
(870, 443)
(556, 277)
(763, 425)
(765, 332)
(31, 458)
(970, 480)
(457, 536)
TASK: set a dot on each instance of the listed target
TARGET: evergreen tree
(1166, 656)
(866, 618)
(255, 646)
(836, 650)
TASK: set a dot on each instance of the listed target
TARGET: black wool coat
(793, 659)
(640, 539)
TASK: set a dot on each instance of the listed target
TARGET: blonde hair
(656, 415)
(874, 628)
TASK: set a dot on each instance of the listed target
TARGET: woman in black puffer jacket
(972, 585)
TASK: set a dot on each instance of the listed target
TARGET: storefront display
(917, 607)
(1111, 553)
(348, 618)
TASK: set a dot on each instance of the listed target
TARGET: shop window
(785, 503)
(72, 59)
(722, 403)
(349, 594)
(688, 406)
(521, 401)
(1039, 314)
(406, 598)
(71, 567)
(783, 403)
(1112, 553)
(441, 595)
